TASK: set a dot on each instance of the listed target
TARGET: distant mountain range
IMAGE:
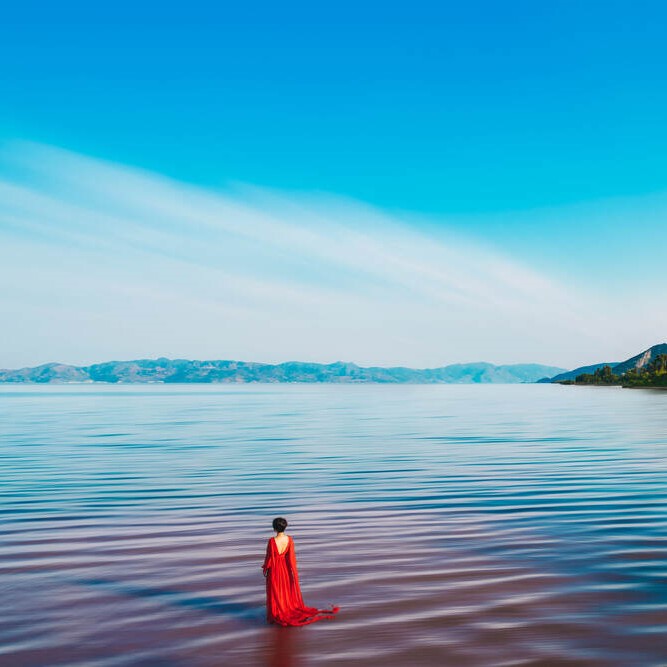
(637, 362)
(188, 371)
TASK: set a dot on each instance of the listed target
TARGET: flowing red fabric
(284, 603)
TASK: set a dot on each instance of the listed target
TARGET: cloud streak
(106, 261)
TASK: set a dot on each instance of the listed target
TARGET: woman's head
(279, 524)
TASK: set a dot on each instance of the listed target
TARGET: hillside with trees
(652, 374)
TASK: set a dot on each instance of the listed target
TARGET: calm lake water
(454, 525)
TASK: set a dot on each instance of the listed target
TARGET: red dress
(284, 604)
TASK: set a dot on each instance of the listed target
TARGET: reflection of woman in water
(284, 604)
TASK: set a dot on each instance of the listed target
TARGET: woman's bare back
(282, 542)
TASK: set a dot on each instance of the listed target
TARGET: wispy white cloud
(106, 261)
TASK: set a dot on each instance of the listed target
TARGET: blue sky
(530, 134)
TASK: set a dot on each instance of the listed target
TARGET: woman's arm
(291, 562)
(267, 559)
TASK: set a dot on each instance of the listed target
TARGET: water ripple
(476, 525)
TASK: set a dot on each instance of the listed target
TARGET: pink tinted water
(467, 525)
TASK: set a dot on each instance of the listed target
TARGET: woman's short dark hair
(279, 524)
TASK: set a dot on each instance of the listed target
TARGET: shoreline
(600, 384)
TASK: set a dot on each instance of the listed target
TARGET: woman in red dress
(284, 604)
